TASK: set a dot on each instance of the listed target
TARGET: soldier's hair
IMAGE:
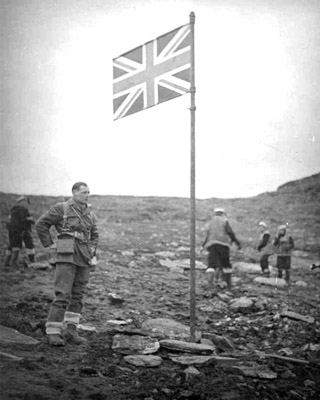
(77, 186)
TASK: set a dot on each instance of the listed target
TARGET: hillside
(296, 203)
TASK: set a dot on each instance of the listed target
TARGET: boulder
(242, 304)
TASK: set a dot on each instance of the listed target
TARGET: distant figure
(75, 254)
(284, 245)
(19, 230)
(217, 242)
(265, 247)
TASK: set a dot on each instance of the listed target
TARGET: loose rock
(143, 360)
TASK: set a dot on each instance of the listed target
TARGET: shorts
(284, 262)
(219, 256)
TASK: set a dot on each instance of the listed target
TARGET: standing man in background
(19, 230)
(217, 242)
(75, 249)
(265, 247)
(284, 245)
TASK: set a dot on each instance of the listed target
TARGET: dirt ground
(130, 268)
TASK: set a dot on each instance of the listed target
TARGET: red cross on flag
(150, 74)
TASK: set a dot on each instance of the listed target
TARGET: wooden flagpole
(192, 192)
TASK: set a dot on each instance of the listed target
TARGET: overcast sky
(258, 98)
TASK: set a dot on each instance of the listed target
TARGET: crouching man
(77, 239)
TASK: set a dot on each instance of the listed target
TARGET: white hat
(282, 227)
(26, 198)
(218, 210)
(261, 223)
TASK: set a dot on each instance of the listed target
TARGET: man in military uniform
(19, 229)
(75, 248)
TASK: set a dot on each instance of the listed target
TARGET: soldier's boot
(31, 255)
(15, 257)
(53, 331)
(71, 335)
(8, 258)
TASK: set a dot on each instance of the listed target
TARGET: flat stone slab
(202, 360)
(11, 337)
(182, 265)
(298, 317)
(125, 344)
(249, 268)
(276, 282)
(165, 328)
(187, 347)
(143, 360)
(165, 254)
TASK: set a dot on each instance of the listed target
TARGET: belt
(77, 235)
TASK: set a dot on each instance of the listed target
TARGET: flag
(150, 74)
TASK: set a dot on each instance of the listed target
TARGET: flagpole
(192, 192)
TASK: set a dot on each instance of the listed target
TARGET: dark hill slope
(296, 203)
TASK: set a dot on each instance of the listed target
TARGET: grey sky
(258, 98)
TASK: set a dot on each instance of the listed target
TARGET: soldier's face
(82, 195)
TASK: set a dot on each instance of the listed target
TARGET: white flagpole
(192, 192)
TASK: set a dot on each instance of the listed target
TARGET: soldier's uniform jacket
(80, 221)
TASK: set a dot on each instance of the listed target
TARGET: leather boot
(71, 335)
(15, 258)
(54, 339)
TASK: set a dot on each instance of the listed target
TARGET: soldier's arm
(44, 223)
(232, 235)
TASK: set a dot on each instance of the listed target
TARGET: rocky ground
(260, 341)
(264, 346)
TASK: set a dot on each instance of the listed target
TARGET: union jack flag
(150, 74)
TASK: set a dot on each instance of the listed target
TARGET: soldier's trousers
(69, 286)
